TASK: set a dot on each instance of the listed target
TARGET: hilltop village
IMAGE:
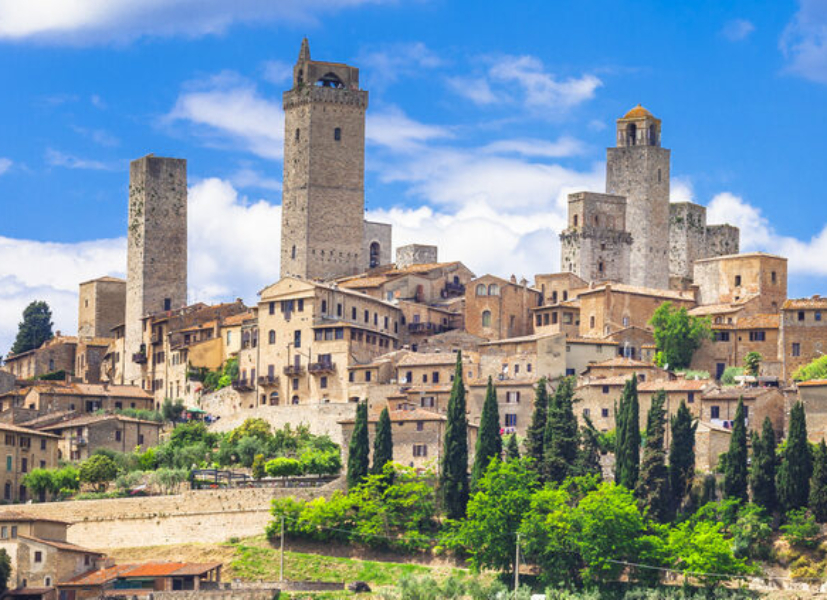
(351, 318)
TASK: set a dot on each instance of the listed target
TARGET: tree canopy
(677, 335)
(627, 444)
(382, 442)
(453, 474)
(34, 329)
(489, 440)
(358, 459)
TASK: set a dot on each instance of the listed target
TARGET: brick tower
(156, 268)
(638, 168)
(323, 198)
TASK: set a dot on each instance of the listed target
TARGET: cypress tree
(588, 455)
(383, 442)
(818, 484)
(681, 455)
(489, 441)
(537, 429)
(561, 440)
(627, 445)
(653, 484)
(34, 329)
(796, 468)
(453, 475)
(735, 466)
(359, 450)
(762, 469)
(512, 450)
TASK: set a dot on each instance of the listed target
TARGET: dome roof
(638, 112)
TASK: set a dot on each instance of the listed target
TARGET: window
(300, 304)
(295, 383)
(271, 337)
(773, 277)
(737, 281)
(510, 420)
(167, 304)
(424, 378)
(435, 377)
(324, 307)
(140, 439)
(715, 412)
(516, 369)
(818, 315)
(721, 336)
(528, 367)
(605, 389)
(339, 310)
(420, 426)
(801, 315)
(554, 318)
(42, 444)
(587, 412)
(486, 318)
(118, 435)
(796, 349)
(48, 581)
(323, 382)
(591, 322)
(297, 339)
(4, 532)
(14, 531)
(7, 492)
(24, 465)
(337, 134)
(420, 450)
(493, 290)
(604, 412)
(690, 397)
(38, 556)
(427, 401)
(512, 397)
(353, 313)
(351, 377)
(367, 375)
(625, 321)
(757, 336)
(600, 266)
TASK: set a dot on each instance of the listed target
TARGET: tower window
(167, 304)
(293, 252)
(337, 134)
(575, 220)
(659, 175)
(374, 252)
(631, 134)
(486, 318)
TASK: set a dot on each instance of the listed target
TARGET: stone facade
(559, 287)
(23, 450)
(813, 394)
(415, 254)
(156, 278)
(376, 246)
(734, 278)
(596, 245)
(82, 436)
(803, 335)
(497, 309)
(101, 307)
(56, 354)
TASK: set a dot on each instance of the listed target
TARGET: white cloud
(564, 146)
(99, 136)
(475, 89)
(395, 130)
(804, 41)
(5, 165)
(806, 257)
(680, 190)
(390, 63)
(737, 30)
(84, 21)
(56, 158)
(227, 109)
(246, 177)
(277, 71)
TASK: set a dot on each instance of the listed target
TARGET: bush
(283, 467)
(258, 466)
(171, 411)
(98, 470)
(126, 481)
(752, 533)
(801, 529)
(169, 480)
(729, 375)
(318, 462)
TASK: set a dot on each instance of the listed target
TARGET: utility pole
(517, 567)
(281, 561)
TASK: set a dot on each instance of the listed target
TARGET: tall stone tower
(323, 198)
(638, 168)
(156, 269)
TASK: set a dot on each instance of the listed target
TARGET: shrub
(258, 466)
(729, 375)
(801, 529)
(98, 470)
(283, 467)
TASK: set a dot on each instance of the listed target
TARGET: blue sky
(483, 116)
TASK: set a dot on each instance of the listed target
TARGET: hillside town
(353, 321)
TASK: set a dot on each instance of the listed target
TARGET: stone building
(24, 449)
(813, 394)
(691, 239)
(733, 339)
(324, 234)
(803, 335)
(52, 396)
(156, 279)
(81, 436)
(738, 277)
(101, 307)
(496, 308)
(718, 407)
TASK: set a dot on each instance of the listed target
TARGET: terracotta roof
(97, 577)
(416, 414)
(813, 383)
(597, 341)
(364, 282)
(740, 256)
(429, 358)
(153, 569)
(238, 319)
(638, 112)
(25, 430)
(373, 279)
(763, 321)
(428, 389)
(641, 291)
(13, 515)
(48, 418)
(805, 303)
(620, 361)
(523, 338)
(714, 309)
(618, 380)
(107, 279)
(733, 393)
(28, 591)
(90, 389)
(61, 545)
(530, 380)
(93, 418)
(675, 385)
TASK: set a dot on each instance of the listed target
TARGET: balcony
(79, 441)
(242, 385)
(293, 370)
(268, 380)
(453, 289)
(429, 328)
(139, 358)
(156, 338)
(321, 367)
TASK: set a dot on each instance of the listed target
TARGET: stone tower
(101, 307)
(638, 168)
(595, 245)
(156, 269)
(323, 199)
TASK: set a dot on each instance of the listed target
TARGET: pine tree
(588, 455)
(383, 442)
(359, 449)
(627, 440)
(762, 469)
(561, 440)
(818, 484)
(653, 484)
(34, 329)
(735, 466)
(512, 450)
(537, 429)
(489, 440)
(796, 468)
(681, 455)
(453, 476)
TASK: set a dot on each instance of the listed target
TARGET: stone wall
(415, 254)
(381, 234)
(687, 238)
(101, 306)
(722, 240)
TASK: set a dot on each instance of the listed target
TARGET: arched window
(295, 400)
(482, 290)
(271, 337)
(330, 80)
(486, 318)
(337, 134)
(374, 254)
(274, 398)
(631, 134)
(300, 78)
(493, 290)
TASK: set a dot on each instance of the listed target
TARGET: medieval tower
(638, 168)
(156, 270)
(323, 231)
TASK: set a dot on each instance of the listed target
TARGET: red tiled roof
(16, 516)
(763, 321)
(619, 361)
(805, 303)
(813, 383)
(61, 545)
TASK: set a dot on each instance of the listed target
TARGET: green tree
(39, 481)
(549, 538)
(320, 462)
(502, 498)
(489, 440)
(98, 470)
(735, 465)
(681, 454)
(359, 450)
(752, 363)
(763, 467)
(453, 475)
(537, 429)
(383, 442)
(512, 450)
(796, 467)
(171, 411)
(283, 467)
(588, 454)
(817, 369)
(627, 444)
(653, 484)
(700, 547)
(251, 427)
(65, 479)
(258, 471)
(560, 444)
(34, 329)
(677, 334)
(5, 570)
(818, 484)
